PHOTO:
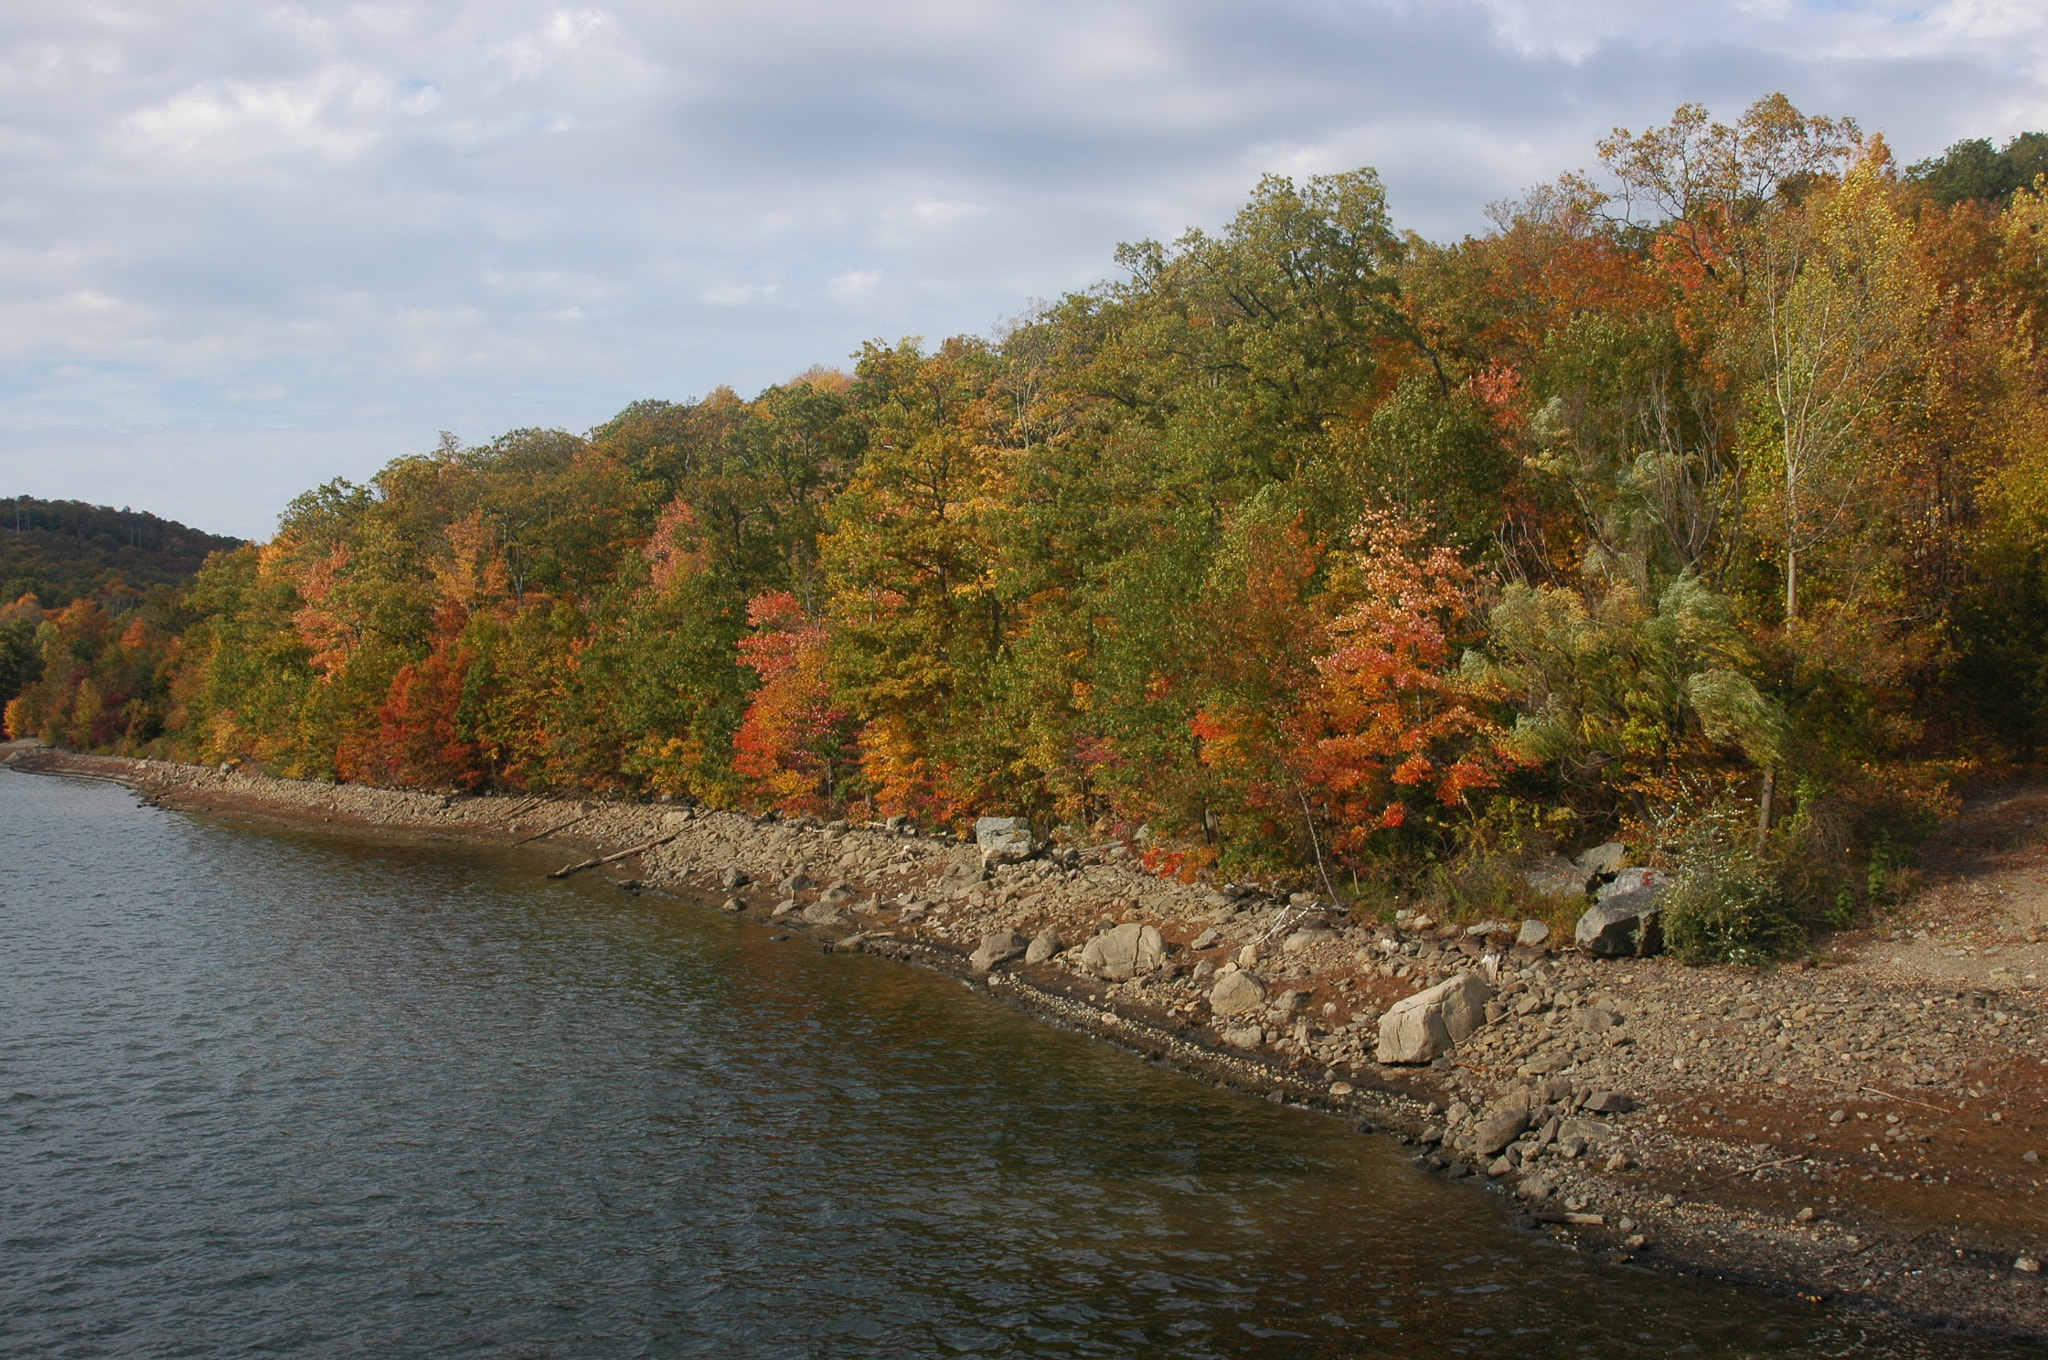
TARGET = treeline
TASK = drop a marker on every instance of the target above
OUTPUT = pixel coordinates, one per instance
(1698, 503)
(54, 554)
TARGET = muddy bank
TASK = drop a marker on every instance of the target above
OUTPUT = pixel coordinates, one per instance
(1857, 1132)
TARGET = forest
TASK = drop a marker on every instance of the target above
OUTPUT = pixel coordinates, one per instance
(1697, 503)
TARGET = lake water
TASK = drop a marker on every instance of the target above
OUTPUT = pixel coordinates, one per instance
(276, 1093)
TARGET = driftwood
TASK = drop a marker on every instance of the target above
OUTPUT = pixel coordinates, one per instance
(607, 859)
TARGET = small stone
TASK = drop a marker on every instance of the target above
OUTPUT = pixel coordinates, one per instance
(796, 883)
(1489, 927)
(1247, 1036)
(1805, 1215)
(1635, 1242)
(1203, 940)
(1340, 1088)
(1536, 1188)
(732, 904)
(822, 914)
(1618, 1162)
(1532, 934)
(1247, 956)
(733, 879)
(1838, 1116)
(1306, 936)
(2027, 1265)
(1498, 1167)
(1609, 1102)
(2030, 1156)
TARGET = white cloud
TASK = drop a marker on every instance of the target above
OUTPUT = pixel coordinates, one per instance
(247, 246)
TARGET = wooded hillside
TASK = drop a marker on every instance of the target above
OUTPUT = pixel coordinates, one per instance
(1698, 503)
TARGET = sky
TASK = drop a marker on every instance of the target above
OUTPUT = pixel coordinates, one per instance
(249, 247)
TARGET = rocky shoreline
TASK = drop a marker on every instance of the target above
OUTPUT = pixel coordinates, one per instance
(1848, 1131)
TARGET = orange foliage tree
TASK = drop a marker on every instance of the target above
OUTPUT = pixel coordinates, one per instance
(793, 744)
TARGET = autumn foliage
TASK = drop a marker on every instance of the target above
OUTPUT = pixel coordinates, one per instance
(1710, 481)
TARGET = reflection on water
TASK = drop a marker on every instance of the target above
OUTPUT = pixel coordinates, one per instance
(291, 1094)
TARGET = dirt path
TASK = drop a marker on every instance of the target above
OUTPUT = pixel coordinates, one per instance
(1866, 1131)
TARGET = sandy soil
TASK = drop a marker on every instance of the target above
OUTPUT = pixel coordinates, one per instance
(1865, 1130)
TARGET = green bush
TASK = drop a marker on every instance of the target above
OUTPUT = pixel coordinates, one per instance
(1726, 906)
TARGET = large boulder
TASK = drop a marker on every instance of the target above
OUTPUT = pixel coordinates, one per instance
(1236, 993)
(998, 946)
(959, 879)
(1125, 952)
(1423, 1027)
(1556, 877)
(1497, 1130)
(1003, 840)
(1045, 945)
(1603, 859)
(1623, 926)
(1631, 880)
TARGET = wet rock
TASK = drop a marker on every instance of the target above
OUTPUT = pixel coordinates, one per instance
(1622, 927)
(1125, 952)
(1422, 1027)
(1537, 1188)
(1236, 993)
(733, 904)
(1044, 945)
(1003, 840)
(1533, 934)
(733, 879)
(998, 946)
(1497, 1130)
(1605, 858)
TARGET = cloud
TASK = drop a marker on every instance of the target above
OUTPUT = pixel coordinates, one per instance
(245, 247)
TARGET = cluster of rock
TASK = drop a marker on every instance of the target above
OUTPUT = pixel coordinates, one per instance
(1553, 1117)
(1624, 920)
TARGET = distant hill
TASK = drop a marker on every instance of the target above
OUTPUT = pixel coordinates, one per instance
(60, 550)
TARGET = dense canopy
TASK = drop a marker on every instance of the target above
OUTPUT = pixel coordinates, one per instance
(1699, 503)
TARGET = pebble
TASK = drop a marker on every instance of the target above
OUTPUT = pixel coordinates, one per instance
(2027, 1265)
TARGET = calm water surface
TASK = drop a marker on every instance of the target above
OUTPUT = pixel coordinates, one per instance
(269, 1093)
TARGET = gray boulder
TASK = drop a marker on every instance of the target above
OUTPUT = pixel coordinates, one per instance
(1235, 993)
(1306, 936)
(1003, 840)
(733, 879)
(1623, 926)
(1044, 946)
(1533, 934)
(958, 879)
(1423, 1027)
(796, 883)
(1631, 880)
(1556, 877)
(1606, 858)
(1244, 1036)
(823, 914)
(1125, 952)
(838, 895)
(1497, 1130)
(999, 946)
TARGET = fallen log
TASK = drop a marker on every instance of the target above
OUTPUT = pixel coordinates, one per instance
(607, 859)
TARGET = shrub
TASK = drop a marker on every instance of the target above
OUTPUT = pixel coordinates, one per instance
(1725, 905)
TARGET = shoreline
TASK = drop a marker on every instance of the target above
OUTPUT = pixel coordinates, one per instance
(1846, 1133)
